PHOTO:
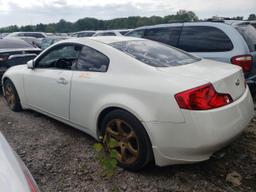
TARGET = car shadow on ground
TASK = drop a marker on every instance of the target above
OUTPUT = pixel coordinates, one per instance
(41, 135)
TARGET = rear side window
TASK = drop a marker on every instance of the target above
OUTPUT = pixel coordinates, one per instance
(167, 35)
(249, 34)
(92, 60)
(154, 54)
(204, 39)
(36, 35)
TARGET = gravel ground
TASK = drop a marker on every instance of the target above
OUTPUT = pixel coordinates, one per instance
(62, 158)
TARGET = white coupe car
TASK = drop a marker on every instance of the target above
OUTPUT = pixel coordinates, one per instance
(158, 103)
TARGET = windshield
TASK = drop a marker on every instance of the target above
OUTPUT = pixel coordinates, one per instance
(249, 34)
(154, 54)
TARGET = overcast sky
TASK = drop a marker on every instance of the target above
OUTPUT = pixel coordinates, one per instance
(21, 12)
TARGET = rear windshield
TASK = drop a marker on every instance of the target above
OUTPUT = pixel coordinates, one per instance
(249, 34)
(14, 44)
(154, 54)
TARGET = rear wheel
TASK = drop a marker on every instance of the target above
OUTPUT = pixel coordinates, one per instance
(132, 144)
(11, 96)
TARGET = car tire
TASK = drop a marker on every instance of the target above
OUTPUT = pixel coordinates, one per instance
(12, 96)
(133, 146)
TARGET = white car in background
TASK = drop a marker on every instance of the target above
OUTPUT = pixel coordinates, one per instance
(26, 34)
(157, 102)
(116, 32)
(14, 175)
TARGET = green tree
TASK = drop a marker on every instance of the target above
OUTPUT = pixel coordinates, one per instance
(97, 24)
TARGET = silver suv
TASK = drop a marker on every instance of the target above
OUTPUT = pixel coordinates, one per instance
(227, 41)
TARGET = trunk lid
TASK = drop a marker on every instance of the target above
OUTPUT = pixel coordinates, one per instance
(225, 78)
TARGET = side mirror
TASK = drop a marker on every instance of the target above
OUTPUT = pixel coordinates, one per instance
(30, 64)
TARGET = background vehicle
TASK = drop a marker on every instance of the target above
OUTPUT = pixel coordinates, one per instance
(27, 34)
(2, 35)
(12, 47)
(83, 34)
(158, 102)
(112, 32)
(48, 41)
(14, 175)
(253, 23)
(231, 42)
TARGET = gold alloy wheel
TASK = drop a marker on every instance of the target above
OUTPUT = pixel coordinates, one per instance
(126, 140)
(9, 95)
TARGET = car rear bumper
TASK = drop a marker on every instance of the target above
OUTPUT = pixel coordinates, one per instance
(202, 133)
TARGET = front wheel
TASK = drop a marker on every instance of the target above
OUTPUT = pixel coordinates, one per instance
(133, 147)
(11, 96)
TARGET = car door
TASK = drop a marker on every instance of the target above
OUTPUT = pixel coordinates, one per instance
(47, 85)
(87, 84)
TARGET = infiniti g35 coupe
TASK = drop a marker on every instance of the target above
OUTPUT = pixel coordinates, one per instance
(157, 102)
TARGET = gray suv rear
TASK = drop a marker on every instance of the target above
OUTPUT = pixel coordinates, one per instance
(230, 41)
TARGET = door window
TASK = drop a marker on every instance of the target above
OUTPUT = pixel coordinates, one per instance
(60, 57)
(167, 35)
(92, 60)
(204, 39)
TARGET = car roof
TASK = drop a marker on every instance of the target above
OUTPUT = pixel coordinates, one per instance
(210, 23)
(112, 30)
(82, 32)
(236, 22)
(101, 39)
(57, 37)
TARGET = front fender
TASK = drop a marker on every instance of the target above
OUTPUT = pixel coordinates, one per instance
(16, 76)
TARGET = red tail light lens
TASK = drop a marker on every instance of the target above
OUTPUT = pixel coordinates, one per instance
(202, 98)
(31, 184)
(30, 181)
(244, 61)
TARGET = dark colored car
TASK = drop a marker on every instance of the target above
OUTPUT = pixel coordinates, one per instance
(15, 52)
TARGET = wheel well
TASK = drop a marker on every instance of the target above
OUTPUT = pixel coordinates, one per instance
(108, 110)
(5, 79)
(102, 115)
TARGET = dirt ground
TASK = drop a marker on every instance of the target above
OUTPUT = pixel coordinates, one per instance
(62, 158)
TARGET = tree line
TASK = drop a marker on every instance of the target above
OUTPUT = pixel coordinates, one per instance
(119, 23)
(97, 24)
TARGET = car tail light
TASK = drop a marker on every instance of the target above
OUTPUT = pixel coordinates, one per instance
(204, 97)
(244, 61)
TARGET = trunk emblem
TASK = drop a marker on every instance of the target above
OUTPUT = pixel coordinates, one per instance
(237, 83)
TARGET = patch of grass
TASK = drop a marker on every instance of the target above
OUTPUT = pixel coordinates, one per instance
(107, 158)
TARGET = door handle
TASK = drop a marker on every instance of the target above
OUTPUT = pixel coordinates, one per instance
(62, 81)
